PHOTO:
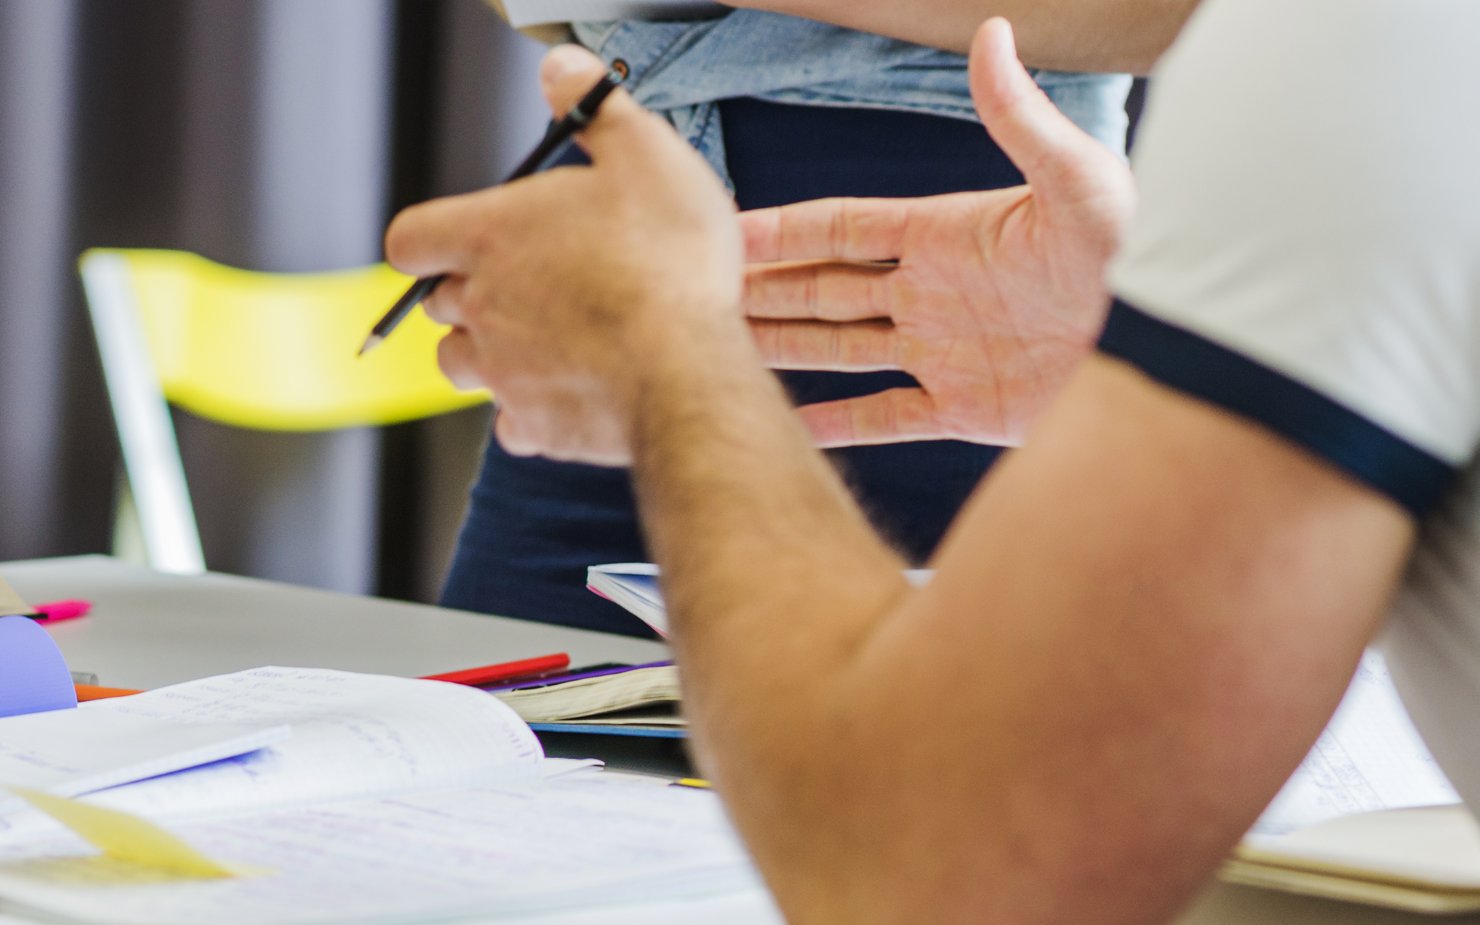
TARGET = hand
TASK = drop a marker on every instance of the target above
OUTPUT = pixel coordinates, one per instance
(562, 288)
(995, 298)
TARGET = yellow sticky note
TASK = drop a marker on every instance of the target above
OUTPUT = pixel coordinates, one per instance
(125, 837)
(10, 602)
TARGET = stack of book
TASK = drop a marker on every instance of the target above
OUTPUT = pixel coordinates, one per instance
(637, 700)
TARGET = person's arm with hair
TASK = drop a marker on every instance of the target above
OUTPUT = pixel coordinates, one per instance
(1122, 36)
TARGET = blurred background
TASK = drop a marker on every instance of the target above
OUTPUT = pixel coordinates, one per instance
(274, 135)
(270, 134)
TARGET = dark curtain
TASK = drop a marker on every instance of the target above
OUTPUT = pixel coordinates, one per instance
(272, 134)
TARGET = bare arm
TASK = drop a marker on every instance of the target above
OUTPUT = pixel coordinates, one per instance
(1070, 35)
(1123, 654)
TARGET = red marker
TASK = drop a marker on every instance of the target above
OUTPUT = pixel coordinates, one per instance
(507, 671)
(473, 677)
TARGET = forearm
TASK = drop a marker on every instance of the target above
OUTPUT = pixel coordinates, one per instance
(773, 582)
(1079, 680)
(1071, 35)
(755, 531)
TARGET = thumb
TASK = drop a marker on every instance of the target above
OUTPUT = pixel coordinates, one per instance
(1029, 128)
(568, 73)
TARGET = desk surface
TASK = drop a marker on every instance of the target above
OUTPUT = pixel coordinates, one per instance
(147, 630)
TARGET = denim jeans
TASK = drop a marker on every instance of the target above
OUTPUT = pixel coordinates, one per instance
(682, 68)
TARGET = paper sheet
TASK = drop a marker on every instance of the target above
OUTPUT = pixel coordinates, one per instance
(70, 752)
(1436, 846)
(10, 602)
(575, 841)
(1369, 758)
(354, 735)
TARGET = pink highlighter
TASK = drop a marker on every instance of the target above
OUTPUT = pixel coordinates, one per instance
(61, 610)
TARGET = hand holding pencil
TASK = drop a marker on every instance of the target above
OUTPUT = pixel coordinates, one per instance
(562, 287)
(556, 140)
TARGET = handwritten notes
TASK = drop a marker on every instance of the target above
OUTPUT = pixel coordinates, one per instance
(70, 752)
(354, 735)
(574, 841)
(1369, 758)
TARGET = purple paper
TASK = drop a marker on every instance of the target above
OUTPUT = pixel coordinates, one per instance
(33, 675)
(562, 678)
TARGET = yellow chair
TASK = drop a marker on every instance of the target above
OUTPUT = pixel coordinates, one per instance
(268, 351)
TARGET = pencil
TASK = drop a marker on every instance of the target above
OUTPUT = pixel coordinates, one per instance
(472, 677)
(555, 141)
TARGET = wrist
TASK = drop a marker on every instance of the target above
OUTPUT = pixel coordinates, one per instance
(679, 353)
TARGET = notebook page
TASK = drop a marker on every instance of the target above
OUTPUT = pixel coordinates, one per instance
(69, 752)
(538, 12)
(1436, 845)
(353, 735)
(1370, 757)
(422, 857)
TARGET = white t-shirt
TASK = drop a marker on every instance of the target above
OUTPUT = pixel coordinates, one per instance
(1307, 254)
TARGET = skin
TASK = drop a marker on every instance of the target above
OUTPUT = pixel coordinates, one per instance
(991, 298)
(1122, 654)
(1068, 35)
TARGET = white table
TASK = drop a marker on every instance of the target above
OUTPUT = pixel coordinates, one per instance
(148, 630)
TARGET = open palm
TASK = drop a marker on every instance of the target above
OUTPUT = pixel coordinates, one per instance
(988, 299)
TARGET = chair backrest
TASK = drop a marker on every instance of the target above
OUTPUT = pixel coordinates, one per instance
(269, 351)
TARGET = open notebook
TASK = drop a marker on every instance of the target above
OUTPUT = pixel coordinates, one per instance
(392, 800)
(1368, 817)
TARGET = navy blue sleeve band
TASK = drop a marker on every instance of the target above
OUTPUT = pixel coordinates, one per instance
(1209, 371)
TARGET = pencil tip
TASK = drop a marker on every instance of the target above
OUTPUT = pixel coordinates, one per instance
(370, 343)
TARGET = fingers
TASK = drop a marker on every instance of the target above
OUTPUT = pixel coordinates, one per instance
(826, 229)
(1039, 139)
(864, 346)
(506, 431)
(825, 292)
(446, 303)
(458, 360)
(895, 416)
(622, 130)
(434, 237)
